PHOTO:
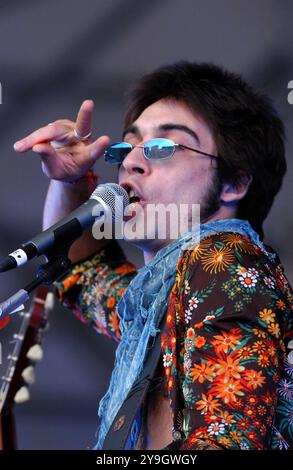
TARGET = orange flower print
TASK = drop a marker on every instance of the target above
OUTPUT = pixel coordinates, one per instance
(111, 302)
(254, 378)
(169, 319)
(264, 359)
(259, 347)
(223, 342)
(263, 429)
(267, 315)
(271, 348)
(238, 404)
(199, 342)
(246, 352)
(190, 334)
(125, 268)
(281, 304)
(237, 242)
(170, 383)
(216, 260)
(225, 441)
(121, 291)
(70, 281)
(243, 424)
(229, 367)
(209, 418)
(200, 432)
(227, 418)
(259, 333)
(201, 372)
(114, 322)
(256, 423)
(252, 400)
(236, 436)
(208, 404)
(249, 412)
(252, 436)
(261, 410)
(198, 249)
(268, 399)
(269, 420)
(274, 329)
(275, 377)
(228, 391)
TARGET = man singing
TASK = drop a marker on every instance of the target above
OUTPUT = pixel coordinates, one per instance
(193, 134)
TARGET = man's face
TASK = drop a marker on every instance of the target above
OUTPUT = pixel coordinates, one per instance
(186, 178)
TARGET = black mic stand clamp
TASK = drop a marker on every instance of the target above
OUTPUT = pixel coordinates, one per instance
(56, 266)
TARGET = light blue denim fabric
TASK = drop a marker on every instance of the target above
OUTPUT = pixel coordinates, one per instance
(140, 310)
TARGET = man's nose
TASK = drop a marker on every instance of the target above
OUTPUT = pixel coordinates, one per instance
(135, 162)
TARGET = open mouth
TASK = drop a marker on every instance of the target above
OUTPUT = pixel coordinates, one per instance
(135, 202)
(133, 196)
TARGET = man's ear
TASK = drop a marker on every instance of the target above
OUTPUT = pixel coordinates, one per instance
(231, 194)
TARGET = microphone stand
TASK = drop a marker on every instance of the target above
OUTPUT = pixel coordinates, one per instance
(56, 266)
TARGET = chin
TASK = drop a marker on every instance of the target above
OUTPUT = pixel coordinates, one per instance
(147, 245)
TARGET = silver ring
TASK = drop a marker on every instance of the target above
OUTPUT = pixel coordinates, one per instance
(81, 137)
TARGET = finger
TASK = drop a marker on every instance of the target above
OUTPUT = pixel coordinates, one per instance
(52, 166)
(97, 148)
(44, 134)
(83, 124)
(44, 150)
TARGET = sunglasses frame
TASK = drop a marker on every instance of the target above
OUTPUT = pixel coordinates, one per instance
(144, 145)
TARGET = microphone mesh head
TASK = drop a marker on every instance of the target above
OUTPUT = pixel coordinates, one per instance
(114, 196)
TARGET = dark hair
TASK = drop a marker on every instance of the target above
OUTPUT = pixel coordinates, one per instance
(248, 133)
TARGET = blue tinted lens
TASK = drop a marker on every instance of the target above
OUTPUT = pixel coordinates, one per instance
(116, 153)
(156, 149)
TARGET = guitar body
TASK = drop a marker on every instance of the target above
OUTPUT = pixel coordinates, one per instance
(8, 440)
(13, 385)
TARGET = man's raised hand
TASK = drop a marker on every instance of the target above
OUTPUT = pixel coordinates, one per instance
(66, 147)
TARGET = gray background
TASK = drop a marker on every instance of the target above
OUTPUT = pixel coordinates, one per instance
(53, 55)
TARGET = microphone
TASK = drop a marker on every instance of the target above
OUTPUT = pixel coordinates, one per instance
(71, 227)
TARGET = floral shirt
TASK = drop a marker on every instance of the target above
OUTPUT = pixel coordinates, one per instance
(226, 343)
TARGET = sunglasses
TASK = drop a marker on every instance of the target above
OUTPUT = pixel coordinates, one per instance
(155, 149)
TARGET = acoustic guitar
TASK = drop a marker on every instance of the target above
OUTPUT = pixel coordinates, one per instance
(24, 352)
